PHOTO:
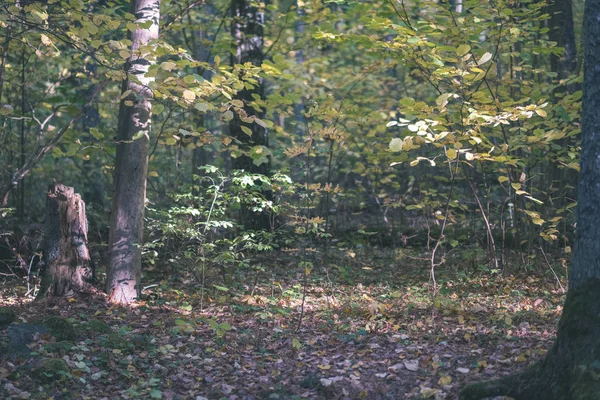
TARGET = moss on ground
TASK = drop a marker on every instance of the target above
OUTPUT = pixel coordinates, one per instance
(49, 370)
(7, 317)
(60, 328)
(97, 326)
(45, 371)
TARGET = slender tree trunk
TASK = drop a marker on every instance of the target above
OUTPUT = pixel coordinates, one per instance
(247, 32)
(201, 153)
(66, 256)
(562, 32)
(571, 368)
(131, 163)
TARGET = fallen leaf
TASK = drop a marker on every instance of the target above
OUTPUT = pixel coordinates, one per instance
(412, 365)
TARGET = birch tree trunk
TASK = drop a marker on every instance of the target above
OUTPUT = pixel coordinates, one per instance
(131, 163)
(66, 256)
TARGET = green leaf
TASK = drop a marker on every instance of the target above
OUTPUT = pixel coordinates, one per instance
(462, 50)
(156, 394)
(227, 115)
(296, 344)
(407, 102)
(225, 326)
(534, 200)
(96, 134)
(396, 144)
(157, 108)
(202, 107)
(145, 24)
(168, 65)
(138, 135)
(246, 130)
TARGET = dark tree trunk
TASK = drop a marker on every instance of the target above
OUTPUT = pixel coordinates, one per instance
(571, 369)
(586, 260)
(66, 256)
(247, 32)
(562, 32)
(131, 162)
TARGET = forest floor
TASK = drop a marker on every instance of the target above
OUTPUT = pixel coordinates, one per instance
(382, 338)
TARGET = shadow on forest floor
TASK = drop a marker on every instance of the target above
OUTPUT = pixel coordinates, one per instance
(372, 340)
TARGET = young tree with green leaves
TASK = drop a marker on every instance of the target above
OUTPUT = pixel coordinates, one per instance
(131, 163)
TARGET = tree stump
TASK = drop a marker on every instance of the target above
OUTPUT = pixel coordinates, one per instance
(66, 256)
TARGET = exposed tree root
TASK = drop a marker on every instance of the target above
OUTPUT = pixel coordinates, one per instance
(570, 370)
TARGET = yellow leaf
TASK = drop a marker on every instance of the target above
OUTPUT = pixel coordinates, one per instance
(188, 95)
(484, 58)
(540, 112)
(444, 380)
(296, 345)
(451, 154)
(45, 40)
(324, 367)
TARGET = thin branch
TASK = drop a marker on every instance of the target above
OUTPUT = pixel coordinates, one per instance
(181, 14)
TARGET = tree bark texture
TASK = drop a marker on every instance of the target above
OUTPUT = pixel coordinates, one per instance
(571, 369)
(66, 255)
(247, 32)
(131, 162)
(562, 31)
(586, 258)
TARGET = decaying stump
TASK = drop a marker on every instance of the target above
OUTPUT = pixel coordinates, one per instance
(66, 256)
